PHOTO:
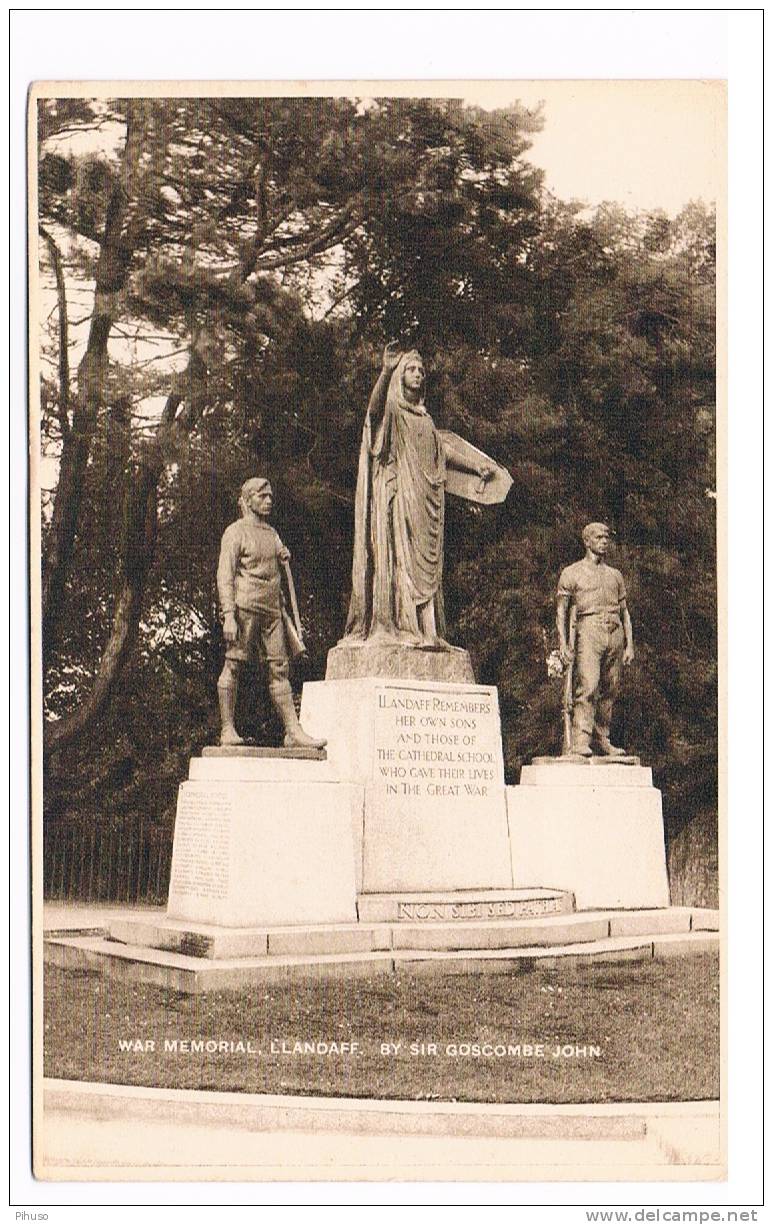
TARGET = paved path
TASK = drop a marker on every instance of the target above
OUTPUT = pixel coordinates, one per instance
(88, 1130)
(79, 1148)
(60, 915)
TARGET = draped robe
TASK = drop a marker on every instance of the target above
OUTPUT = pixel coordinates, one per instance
(397, 562)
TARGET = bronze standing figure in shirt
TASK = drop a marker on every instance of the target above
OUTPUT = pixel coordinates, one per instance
(595, 592)
(249, 590)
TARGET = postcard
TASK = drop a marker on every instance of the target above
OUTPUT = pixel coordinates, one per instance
(375, 507)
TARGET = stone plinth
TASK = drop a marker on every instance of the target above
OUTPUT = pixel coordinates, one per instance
(596, 761)
(429, 757)
(398, 661)
(561, 772)
(229, 767)
(596, 832)
(256, 750)
(263, 841)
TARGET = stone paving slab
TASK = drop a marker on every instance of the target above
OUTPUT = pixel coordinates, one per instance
(193, 940)
(360, 939)
(503, 961)
(195, 959)
(704, 919)
(614, 948)
(59, 916)
(650, 922)
(500, 934)
(675, 945)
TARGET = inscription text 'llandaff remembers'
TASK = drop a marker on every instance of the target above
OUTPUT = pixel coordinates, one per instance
(435, 704)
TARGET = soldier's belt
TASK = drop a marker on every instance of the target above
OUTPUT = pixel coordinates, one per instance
(601, 616)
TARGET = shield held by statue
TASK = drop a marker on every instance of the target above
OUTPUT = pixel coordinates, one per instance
(468, 484)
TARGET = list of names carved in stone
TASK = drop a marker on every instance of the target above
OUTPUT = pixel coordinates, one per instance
(200, 865)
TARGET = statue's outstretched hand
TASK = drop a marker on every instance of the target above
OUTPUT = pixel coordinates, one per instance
(392, 355)
(485, 473)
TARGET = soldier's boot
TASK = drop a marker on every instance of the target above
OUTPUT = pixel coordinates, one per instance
(226, 694)
(580, 743)
(295, 736)
(580, 747)
(600, 736)
(604, 747)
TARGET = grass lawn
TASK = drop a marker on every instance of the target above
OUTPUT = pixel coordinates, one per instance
(638, 1031)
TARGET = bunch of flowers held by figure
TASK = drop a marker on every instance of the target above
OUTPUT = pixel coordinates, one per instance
(553, 661)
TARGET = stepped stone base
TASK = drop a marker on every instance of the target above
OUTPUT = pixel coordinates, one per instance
(194, 959)
(229, 943)
(398, 661)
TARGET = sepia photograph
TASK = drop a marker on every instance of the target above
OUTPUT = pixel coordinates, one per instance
(376, 625)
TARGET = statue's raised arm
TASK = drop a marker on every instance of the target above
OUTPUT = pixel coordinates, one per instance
(405, 465)
(378, 396)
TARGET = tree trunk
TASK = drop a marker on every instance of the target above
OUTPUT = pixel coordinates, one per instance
(63, 405)
(112, 271)
(139, 531)
(138, 542)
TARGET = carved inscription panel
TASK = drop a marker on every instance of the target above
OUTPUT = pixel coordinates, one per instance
(200, 865)
(510, 909)
(437, 744)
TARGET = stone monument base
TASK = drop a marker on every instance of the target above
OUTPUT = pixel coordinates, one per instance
(263, 840)
(594, 827)
(427, 756)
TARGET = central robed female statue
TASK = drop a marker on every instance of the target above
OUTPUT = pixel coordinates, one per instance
(397, 567)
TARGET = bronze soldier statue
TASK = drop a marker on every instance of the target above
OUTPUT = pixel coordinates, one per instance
(255, 625)
(591, 597)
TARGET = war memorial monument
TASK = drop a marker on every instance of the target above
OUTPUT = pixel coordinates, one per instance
(381, 833)
(374, 638)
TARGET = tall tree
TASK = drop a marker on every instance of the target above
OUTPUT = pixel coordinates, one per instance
(127, 193)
